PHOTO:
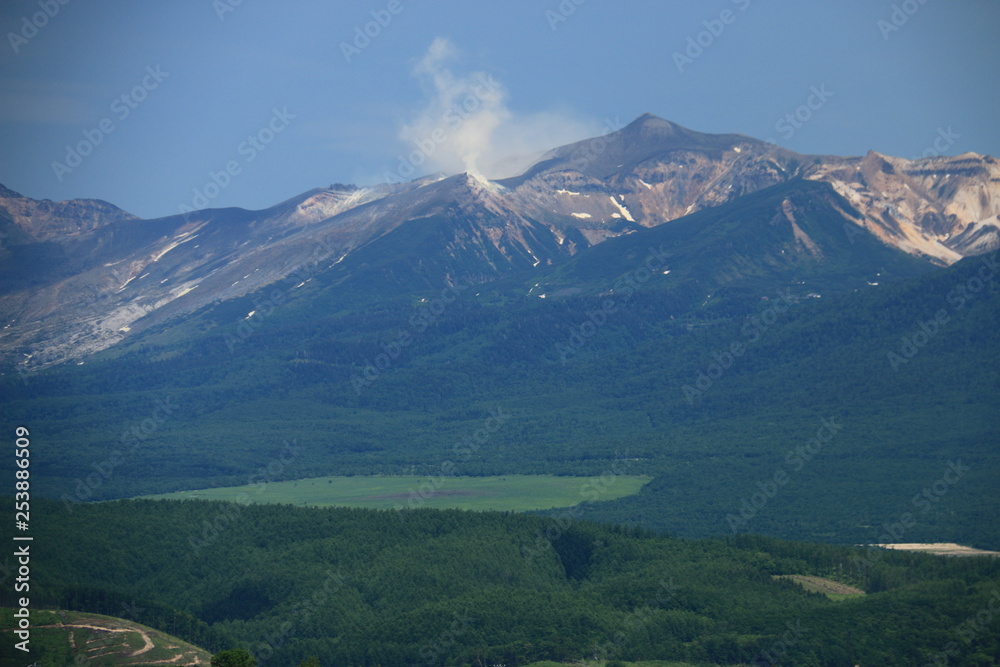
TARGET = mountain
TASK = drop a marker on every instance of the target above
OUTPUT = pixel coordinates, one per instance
(943, 208)
(700, 301)
(81, 276)
(703, 351)
(87, 292)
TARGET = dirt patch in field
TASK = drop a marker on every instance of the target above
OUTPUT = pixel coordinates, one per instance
(102, 645)
(940, 548)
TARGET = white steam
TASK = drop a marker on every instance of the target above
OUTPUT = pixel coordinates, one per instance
(466, 124)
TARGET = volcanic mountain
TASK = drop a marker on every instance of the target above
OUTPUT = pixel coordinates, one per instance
(83, 275)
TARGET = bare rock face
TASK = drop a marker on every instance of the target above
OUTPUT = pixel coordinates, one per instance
(944, 208)
(77, 277)
(48, 220)
(940, 208)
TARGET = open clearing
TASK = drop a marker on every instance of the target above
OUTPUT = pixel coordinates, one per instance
(830, 588)
(517, 493)
(940, 548)
(65, 637)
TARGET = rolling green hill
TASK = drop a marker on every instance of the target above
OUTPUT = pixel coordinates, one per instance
(60, 637)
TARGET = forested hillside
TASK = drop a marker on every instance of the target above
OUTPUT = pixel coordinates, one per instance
(363, 587)
(907, 371)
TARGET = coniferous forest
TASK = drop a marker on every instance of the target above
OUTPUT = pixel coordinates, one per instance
(421, 587)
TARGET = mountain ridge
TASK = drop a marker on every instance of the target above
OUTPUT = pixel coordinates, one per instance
(82, 276)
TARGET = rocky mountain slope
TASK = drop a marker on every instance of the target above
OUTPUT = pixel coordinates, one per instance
(80, 276)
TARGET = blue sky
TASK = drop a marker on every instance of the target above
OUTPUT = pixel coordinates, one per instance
(162, 95)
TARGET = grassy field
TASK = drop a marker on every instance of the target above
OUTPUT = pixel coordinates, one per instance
(61, 638)
(832, 589)
(597, 663)
(517, 493)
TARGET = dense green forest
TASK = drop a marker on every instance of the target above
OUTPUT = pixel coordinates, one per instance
(153, 421)
(357, 375)
(366, 587)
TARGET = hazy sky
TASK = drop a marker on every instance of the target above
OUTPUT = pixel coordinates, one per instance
(275, 98)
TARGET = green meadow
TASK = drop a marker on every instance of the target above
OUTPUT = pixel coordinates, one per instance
(516, 493)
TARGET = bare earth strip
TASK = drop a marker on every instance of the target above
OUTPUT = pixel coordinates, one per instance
(189, 657)
(821, 585)
(145, 638)
(940, 548)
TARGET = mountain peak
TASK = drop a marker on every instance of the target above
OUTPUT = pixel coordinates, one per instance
(7, 192)
(650, 121)
(648, 137)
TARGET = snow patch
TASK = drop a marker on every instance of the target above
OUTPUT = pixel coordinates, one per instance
(179, 239)
(622, 209)
(567, 192)
(582, 216)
